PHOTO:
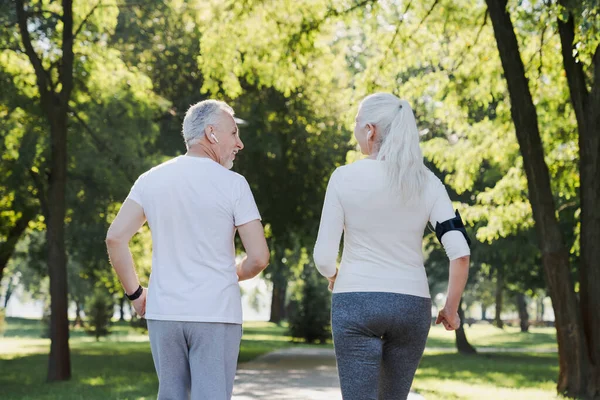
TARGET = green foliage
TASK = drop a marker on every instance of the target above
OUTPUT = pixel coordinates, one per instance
(139, 324)
(310, 308)
(99, 309)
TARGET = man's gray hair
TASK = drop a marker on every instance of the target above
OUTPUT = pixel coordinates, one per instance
(199, 116)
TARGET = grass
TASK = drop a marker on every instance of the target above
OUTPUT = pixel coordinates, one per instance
(121, 367)
(486, 336)
(117, 367)
(493, 376)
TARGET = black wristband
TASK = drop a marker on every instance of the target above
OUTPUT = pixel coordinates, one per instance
(135, 294)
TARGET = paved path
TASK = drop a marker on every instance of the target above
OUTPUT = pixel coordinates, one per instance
(291, 374)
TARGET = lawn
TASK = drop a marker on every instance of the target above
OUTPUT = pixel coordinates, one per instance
(488, 337)
(120, 366)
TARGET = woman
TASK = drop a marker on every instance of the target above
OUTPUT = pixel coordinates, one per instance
(381, 306)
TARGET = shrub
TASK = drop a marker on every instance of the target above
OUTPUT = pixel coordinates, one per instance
(99, 309)
(310, 308)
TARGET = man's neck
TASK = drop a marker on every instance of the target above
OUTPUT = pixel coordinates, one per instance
(203, 150)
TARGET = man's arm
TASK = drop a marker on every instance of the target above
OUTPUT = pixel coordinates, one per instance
(257, 251)
(128, 221)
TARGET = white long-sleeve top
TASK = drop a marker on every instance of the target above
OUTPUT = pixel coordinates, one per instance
(382, 237)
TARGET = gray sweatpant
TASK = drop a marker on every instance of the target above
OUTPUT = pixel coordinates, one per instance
(196, 359)
(379, 339)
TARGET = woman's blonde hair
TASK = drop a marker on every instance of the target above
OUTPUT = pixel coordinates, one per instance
(397, 142)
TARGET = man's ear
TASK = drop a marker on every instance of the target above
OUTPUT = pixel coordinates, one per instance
(209, 132)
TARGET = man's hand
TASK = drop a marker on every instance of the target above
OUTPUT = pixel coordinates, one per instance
(257, 252)
(450, 320)
(139, 304)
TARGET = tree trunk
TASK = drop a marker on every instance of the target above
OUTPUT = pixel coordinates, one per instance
(56, 106)
(483, 312)
(462, 344)
(539, 308)
(523, 314)
(122, 308)
(279, 277)
(59, 365)
(278, 301)
(587, 111)
(574, 367)
(78, 320)
(499, 296)
(9, 292)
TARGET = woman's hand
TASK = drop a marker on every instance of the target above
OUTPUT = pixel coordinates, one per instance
(332, 281)
(449, 319)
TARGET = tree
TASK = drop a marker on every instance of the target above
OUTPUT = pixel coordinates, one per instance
(311, 308)
(585, 96)
(82, 89)
(293, 100)
(54, 100)
(297, 148)
(579, 374)
(99, 308)
(523, 314)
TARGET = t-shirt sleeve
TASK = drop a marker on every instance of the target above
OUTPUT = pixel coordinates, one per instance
(245, 209)
(137, 190)
(330, 230)
(454, 242)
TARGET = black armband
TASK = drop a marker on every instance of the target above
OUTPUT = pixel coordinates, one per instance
(453, 224)
(135, 295)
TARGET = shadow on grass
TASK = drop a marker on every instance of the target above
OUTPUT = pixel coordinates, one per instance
(496, 369)
(499, 339)
(126, 372)
(32, 329)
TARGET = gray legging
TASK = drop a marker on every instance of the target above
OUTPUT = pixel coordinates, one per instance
(379, 339)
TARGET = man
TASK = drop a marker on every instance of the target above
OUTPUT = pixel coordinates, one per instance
(193, 205)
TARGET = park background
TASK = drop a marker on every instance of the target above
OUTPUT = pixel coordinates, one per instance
(507, 99)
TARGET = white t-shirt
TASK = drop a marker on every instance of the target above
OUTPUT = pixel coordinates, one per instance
(193, 206)
(382, 237)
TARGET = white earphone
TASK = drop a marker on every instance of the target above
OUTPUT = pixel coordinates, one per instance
(214, 137)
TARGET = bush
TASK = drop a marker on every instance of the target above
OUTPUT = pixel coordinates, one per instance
(99, 309)
(138, 323)
(310, 309)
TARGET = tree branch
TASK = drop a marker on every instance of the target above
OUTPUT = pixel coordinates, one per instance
(390, 47)
(316, 25)
(42, 12)
(573, 69)
(98, 143)
(80, 27)
(40, 73)
(7, 247)
(66, 70)
(39, 185)
(16, 48)
(435, 3)
(541, 67)
(468, 48)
